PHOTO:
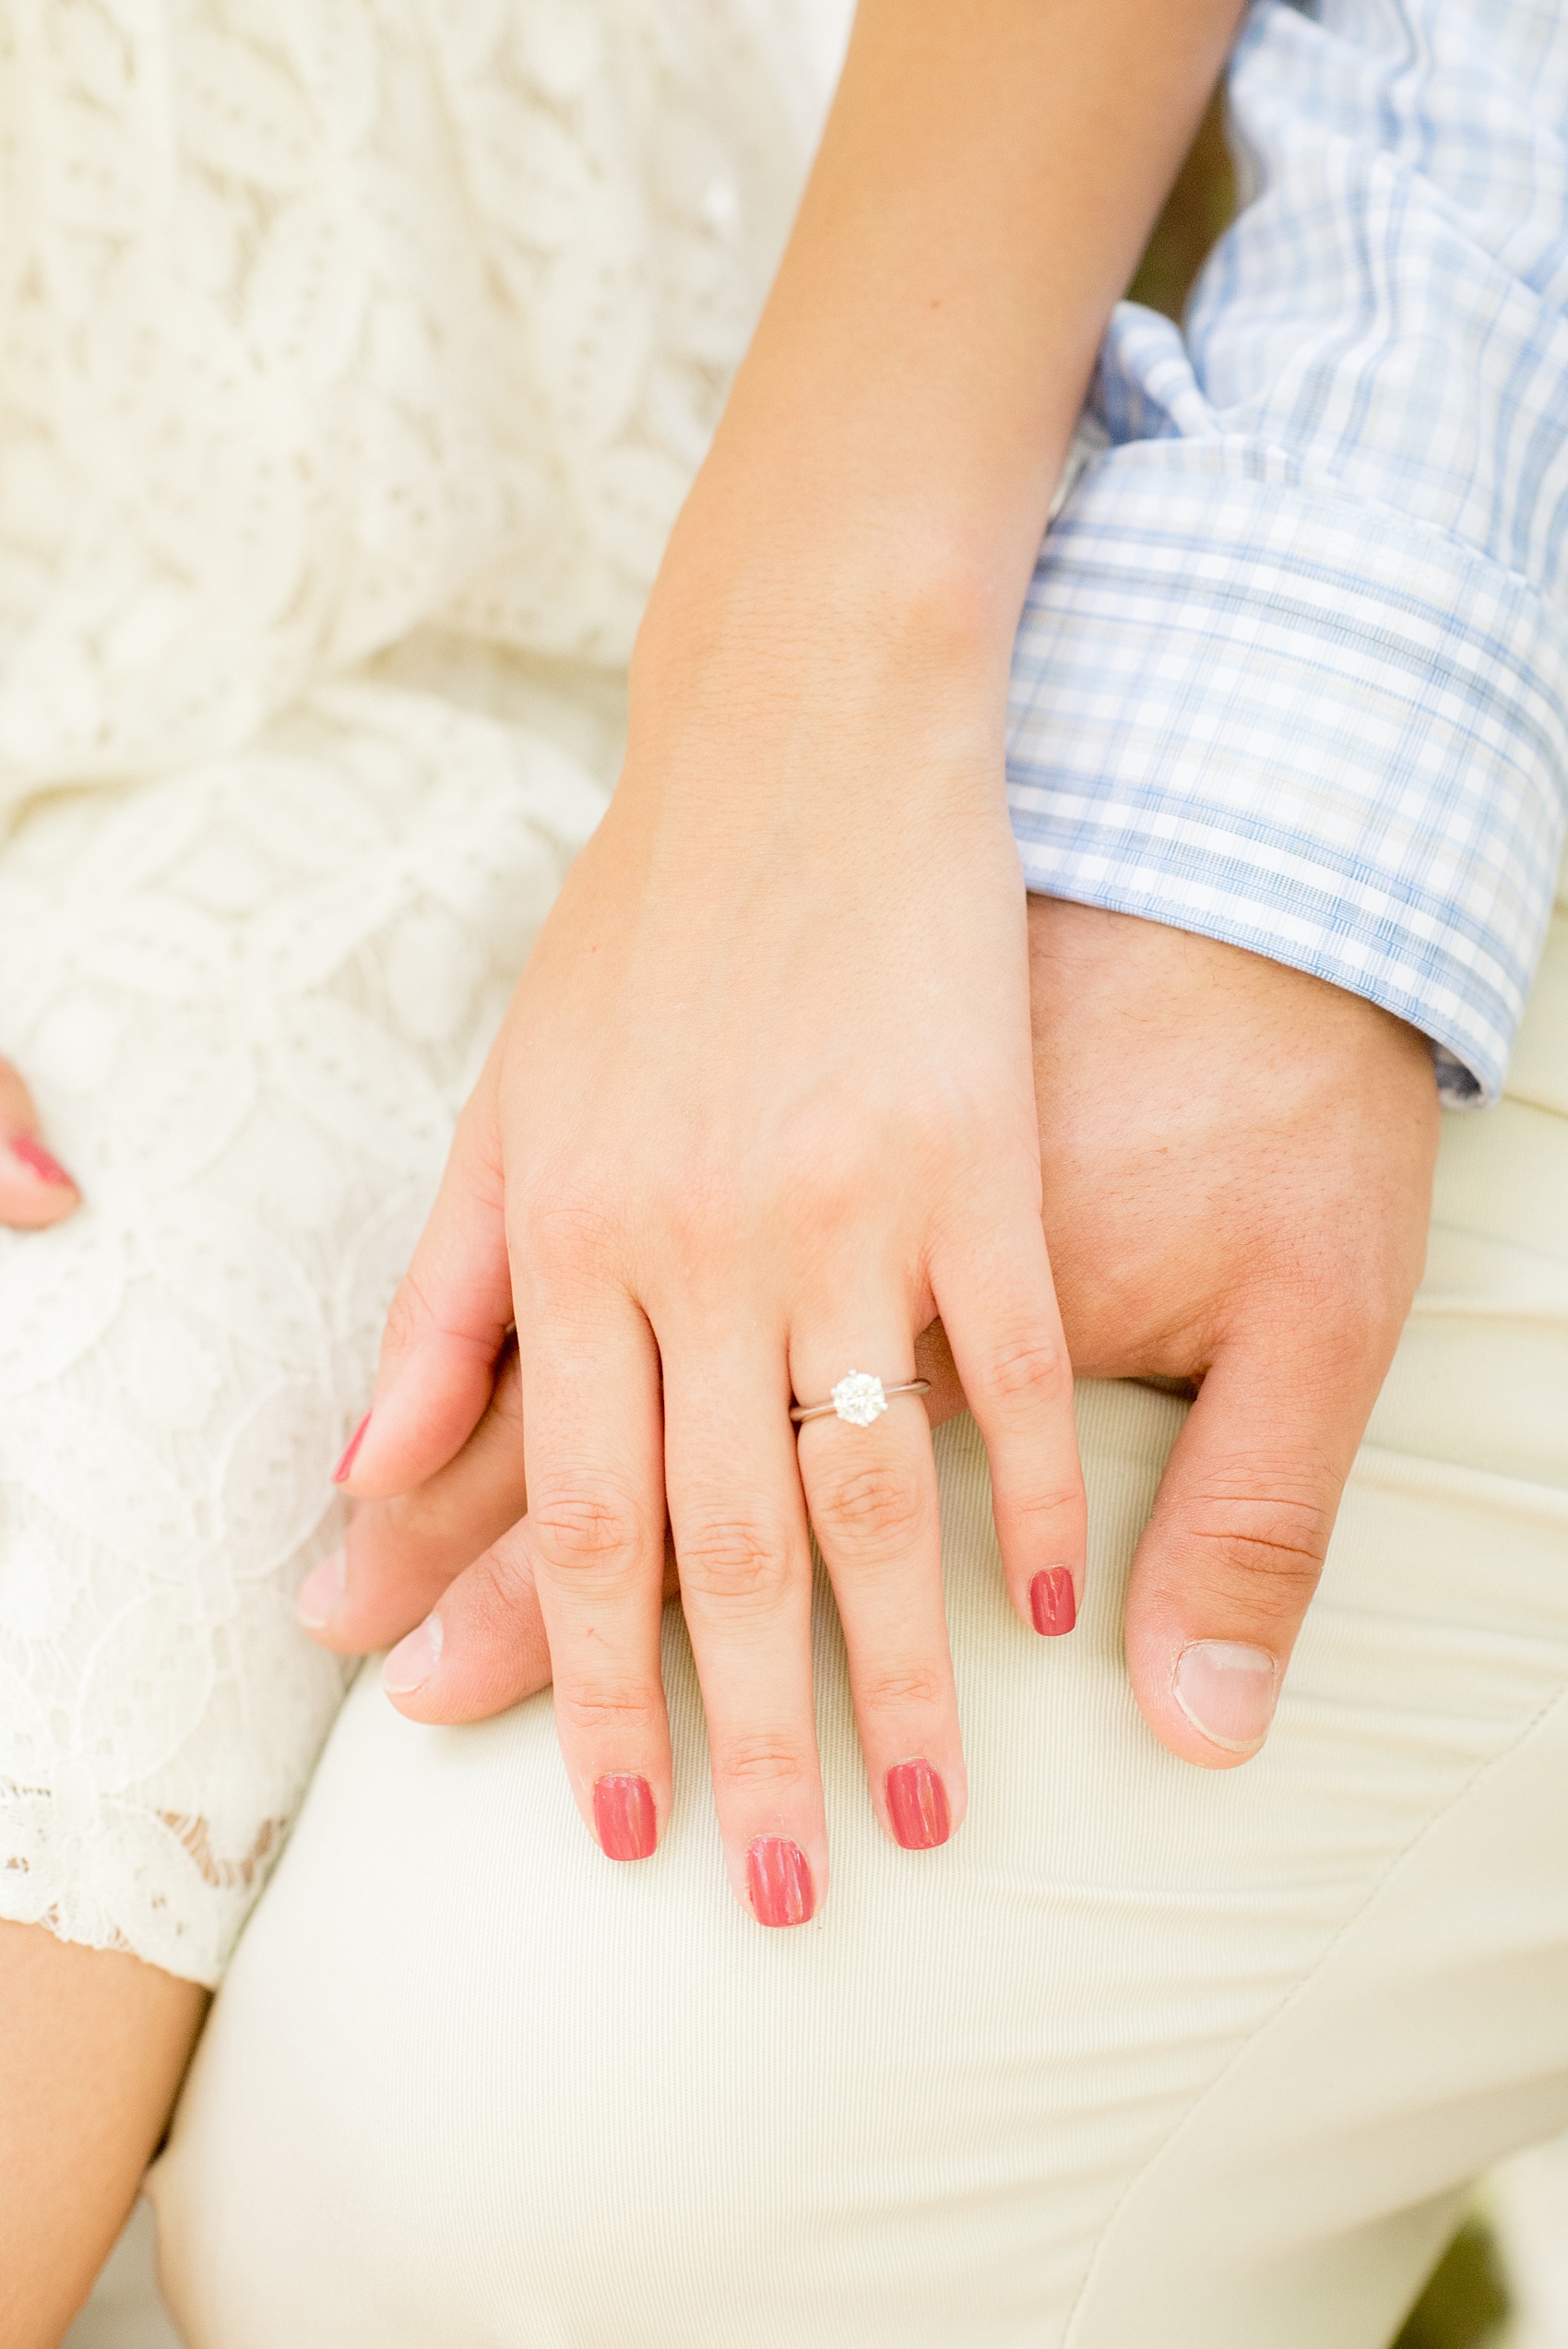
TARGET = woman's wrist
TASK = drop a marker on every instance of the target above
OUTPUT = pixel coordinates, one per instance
(846, 630)
(887, 455)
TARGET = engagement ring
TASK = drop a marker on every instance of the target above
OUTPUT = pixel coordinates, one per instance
(860, 1398)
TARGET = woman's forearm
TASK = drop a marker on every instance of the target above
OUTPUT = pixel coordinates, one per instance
(987, 178)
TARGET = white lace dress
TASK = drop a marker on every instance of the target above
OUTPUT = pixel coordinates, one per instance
(354, 358)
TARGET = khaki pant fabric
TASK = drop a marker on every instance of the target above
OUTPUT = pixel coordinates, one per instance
(1147, 2058)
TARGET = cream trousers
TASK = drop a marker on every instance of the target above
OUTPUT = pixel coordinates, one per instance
(1145, 2058)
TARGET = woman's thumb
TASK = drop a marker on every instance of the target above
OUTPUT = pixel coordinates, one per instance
(445, 1326)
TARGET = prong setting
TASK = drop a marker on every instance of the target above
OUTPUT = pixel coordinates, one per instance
(858, 1398)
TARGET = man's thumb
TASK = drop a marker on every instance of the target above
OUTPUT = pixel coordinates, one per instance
(1230, 1558)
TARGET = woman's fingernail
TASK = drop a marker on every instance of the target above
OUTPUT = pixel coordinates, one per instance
(780, 1881)
(316, 1601)
(1228, 1691)
(413, 1660)
(623, 1816)
(1053, 1606)
(340, 1474)
(40, 1164)
(917, 1805)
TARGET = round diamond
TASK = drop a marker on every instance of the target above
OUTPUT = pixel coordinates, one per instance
(859, 1399)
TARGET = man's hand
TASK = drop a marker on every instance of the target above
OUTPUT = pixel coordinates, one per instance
(1237, 1180)
(1238, 1170)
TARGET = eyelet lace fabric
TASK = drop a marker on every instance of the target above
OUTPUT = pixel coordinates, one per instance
(354, 358)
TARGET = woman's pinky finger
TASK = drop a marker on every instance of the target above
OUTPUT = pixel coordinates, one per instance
(998, 1307)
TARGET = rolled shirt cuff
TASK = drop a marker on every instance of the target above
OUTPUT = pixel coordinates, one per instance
(1279, 715)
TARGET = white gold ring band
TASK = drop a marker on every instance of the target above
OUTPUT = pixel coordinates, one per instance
(860, 1398)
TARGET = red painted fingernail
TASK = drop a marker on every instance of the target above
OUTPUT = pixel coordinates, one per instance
(342, 1472)
(38, 1161)
(623, 1815)
(917, 1805)
(1052, 1603)
(780, 1881)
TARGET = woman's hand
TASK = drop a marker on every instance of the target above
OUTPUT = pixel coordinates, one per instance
(762, 1105)
(1237, 1178)
(35, 1190)
(762, 1108)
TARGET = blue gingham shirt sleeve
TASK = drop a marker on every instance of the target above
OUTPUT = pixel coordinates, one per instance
(1293, 668)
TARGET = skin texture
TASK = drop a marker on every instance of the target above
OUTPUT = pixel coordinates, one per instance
(762, 1107)
(1237, 1163)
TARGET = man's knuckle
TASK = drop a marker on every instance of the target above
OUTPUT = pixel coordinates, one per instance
(500, 1591)
(1352, 1304)
(733, 1559)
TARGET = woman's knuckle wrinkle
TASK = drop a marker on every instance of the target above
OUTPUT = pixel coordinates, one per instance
(1027, 1371)
(746, 1763)
(871, 1504)
(898, 1689)
(580, 1528)
(732, 1558)
(591, 1710)
(1042, 1507)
